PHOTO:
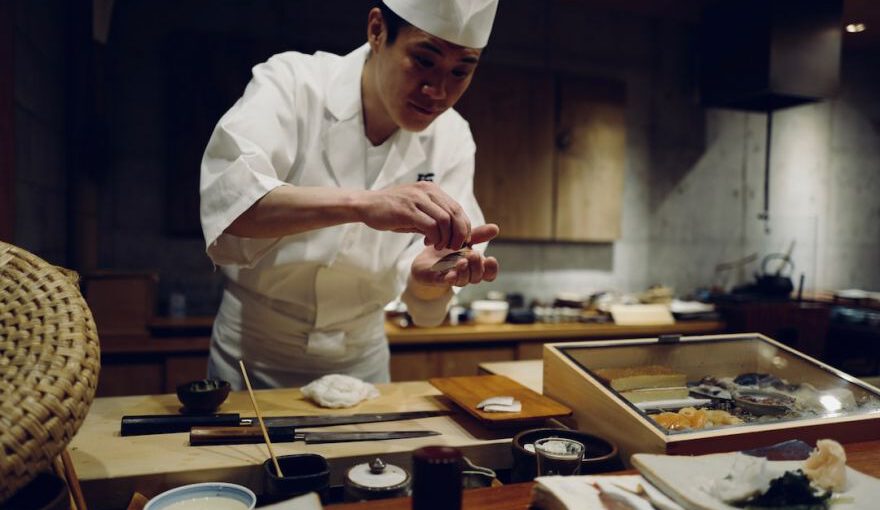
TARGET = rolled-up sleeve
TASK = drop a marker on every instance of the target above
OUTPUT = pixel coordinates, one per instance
(249, 154)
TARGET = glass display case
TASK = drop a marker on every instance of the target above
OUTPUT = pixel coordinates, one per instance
(707, 394)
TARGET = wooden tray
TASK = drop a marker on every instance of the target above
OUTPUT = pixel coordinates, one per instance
(469, 391)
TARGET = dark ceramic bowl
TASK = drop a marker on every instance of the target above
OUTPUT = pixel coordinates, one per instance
(600, 455)
(203, 396)
(303, 473)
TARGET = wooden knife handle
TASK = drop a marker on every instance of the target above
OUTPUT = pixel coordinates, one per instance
(203, 436)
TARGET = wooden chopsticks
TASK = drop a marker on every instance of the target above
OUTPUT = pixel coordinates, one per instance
(247, 382)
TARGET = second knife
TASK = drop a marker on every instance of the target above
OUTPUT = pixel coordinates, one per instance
(203, 436)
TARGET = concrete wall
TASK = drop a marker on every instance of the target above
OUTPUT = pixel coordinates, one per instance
(40, 143)
(824, 192)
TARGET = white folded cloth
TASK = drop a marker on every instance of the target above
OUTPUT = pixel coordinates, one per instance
(337, 390)
(587, 493)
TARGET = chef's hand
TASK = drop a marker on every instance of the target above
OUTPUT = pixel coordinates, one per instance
(472, 268)
(421, 207)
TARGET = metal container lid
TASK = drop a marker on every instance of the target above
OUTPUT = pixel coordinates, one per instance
(377, 476)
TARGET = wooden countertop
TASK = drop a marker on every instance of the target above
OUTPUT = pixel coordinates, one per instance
(540, 332)
(192, 334)
(111, 468)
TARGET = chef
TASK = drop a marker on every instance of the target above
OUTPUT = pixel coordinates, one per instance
(334, 185)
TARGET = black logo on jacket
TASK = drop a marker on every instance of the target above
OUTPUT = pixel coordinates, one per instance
(426, 177)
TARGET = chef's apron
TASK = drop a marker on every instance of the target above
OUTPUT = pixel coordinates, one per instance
(283, 346)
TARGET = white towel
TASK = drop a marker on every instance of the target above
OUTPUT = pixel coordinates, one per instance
(583, 492)
(337, 390)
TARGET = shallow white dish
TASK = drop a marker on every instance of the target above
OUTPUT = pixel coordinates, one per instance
(681, 478)
(205, 496)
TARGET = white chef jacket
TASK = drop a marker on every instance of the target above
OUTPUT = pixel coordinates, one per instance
(304, 305)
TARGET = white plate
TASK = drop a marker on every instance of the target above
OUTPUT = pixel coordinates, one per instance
(681, 478)
(852, 294)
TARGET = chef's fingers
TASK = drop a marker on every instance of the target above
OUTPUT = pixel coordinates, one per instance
(442, 221)
(439, 224)
(459, 223)
(457, 276)
(460, 227)
(484, 233)
(475, 267)
(490, 269)
(464, 274)
(423, 223)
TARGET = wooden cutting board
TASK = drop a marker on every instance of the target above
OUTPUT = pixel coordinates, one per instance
(469, 391)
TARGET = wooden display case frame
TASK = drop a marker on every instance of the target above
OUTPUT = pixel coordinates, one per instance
(600, 410)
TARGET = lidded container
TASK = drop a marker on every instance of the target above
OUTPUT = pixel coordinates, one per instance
(696, 395)
(376, 480)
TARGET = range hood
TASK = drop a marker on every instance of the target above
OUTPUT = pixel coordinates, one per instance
(761, 55)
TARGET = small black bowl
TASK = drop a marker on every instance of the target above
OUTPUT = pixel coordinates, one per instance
(303, 473)
(600, 455)
(203, 396)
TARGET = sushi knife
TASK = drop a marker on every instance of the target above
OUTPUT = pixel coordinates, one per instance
(169, 423)
(202, 436)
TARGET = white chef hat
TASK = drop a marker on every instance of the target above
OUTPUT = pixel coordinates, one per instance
(464, 22)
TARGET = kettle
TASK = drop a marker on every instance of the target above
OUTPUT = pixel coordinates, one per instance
(776, 284)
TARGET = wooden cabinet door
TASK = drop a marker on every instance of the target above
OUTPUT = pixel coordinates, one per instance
(511, 113)
(591, 160)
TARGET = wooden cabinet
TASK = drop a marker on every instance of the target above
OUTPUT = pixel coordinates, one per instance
(146, 365)
(511, 118)
(551, 153)
(590, 160)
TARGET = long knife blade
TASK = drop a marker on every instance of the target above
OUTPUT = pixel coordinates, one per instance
(327, 420)
(203, 436)
(169, 423)
(343, 437)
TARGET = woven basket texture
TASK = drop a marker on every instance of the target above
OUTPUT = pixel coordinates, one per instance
(49, 362)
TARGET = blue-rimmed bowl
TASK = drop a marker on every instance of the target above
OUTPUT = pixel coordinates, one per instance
(200, 491)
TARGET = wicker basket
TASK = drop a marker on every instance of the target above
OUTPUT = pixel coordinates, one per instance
(49, 361)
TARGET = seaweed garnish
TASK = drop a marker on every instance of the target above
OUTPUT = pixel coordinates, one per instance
(791, 491)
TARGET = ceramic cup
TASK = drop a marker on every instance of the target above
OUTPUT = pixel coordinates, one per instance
(558, 456)
(601, 454)
(303, 473)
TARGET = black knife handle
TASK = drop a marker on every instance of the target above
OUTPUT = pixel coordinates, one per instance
(169, 423)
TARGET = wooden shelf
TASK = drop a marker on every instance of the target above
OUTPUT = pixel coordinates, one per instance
(539, 332)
